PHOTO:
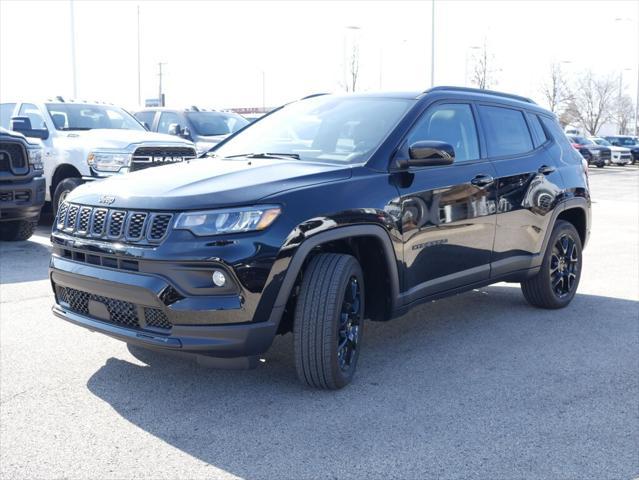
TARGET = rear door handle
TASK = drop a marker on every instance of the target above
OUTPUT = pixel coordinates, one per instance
(482, 180)
(546, 170)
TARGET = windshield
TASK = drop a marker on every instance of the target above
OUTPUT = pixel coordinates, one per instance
(626, 141)
(582, 141)
(325, 129)
(69, 116)
(215, 123)
(601, 141)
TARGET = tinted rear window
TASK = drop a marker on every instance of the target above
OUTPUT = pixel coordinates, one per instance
(506, 131)
(539, 136)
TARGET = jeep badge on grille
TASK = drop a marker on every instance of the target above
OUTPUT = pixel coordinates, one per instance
(106, 199)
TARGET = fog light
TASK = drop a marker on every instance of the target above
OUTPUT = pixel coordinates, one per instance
(218, 278)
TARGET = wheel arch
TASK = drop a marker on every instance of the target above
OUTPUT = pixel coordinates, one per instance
(61, 172)
(577, 217)
(373, 248)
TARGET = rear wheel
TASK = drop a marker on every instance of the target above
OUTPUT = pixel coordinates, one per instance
(556, 283)
(329, 321)
(17, 230)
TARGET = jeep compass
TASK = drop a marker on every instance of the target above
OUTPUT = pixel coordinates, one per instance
(326, 212)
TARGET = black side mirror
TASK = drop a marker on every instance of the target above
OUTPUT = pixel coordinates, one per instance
(23, 125)
(186, 133)
(429, 153)
(174, 129)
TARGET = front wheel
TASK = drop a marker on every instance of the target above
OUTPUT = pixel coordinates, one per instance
(329, 321)
(556, 283)
(62, 190)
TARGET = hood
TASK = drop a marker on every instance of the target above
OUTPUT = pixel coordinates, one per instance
(206, 183)
(120, 138)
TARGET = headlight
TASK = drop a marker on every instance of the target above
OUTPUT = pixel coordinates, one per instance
(108, 161)
(218, 222)
(35, 158)
(595, 153)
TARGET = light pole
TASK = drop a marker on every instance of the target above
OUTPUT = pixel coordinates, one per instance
(432, 44)
(160, 95)
(468, 49)
(73, 68)
(139, 88)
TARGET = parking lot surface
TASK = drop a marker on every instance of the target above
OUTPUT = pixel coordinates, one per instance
(480, 385)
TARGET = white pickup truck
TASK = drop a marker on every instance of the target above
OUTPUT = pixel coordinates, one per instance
(89, 141)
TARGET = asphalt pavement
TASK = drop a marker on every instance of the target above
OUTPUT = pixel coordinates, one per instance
(480, 385)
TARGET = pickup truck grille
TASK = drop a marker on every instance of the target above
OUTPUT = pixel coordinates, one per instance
(13, 158)
(113, 224)
(145, 157)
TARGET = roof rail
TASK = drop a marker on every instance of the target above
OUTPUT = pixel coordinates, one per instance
(314, 95)
(484, 92)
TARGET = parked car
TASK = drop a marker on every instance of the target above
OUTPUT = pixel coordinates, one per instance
(618, 155)
(397, 200)
(88, 141)
(593, 153)
(627, 142)
(205, 128)
(22, 186)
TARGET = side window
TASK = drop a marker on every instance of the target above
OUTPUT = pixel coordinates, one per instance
(6, 112)
(146, 117)
(539, 136)
(166, 119)
(452, 123)
(31, 111)
(506, 131)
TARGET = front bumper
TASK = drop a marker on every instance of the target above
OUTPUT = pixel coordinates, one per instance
(118, 303)
(21, 200)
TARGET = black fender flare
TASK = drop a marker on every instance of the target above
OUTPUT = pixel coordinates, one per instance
(338, 233)
(569, 204)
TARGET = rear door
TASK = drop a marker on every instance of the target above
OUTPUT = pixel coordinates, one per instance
(448, 212)
(528, 184)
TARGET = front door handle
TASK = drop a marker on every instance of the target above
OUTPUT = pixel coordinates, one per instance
(546, 170)
(482, 180)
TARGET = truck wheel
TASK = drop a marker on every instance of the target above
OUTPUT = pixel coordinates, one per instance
(62, 190)
(329, 321)
(17, 230)
(556, 283)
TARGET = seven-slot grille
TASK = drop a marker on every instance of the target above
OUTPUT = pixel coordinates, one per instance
(145, 157)
(113, 224)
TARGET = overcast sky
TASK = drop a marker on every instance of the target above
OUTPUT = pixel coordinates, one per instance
(217, 53)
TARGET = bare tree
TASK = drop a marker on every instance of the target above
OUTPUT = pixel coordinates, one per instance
(593, 102)
(624, 114)
(353, 68)
(483, 73)
(555, 89)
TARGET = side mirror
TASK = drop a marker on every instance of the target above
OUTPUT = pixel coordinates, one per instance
(186, 133)
(430, 153)
(174, 129)
(23, 125)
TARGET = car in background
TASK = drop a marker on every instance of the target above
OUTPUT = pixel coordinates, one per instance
(22, 186)
(89, 141)
(205, 128)
(626, 141)
(594, 154)
(618, 155)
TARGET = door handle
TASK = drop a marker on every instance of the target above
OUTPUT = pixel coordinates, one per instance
(546, 170)
(482, 180)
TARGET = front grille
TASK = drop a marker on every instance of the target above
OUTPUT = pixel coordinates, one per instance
(6, 196)
(145, 157)
(13, 158)
(605, 154)
(124, 225)
(120, 312)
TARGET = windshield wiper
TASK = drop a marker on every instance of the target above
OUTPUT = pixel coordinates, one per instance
(267, 155)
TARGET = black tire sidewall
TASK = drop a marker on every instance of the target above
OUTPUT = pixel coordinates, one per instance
(67, 184)
(560, 229)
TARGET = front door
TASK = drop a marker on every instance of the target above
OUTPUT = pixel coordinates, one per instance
(448, 212)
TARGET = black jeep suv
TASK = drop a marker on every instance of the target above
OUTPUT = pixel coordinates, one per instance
(21, 186)
(330, 210)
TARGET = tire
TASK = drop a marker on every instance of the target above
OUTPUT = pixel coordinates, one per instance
(601, 165)
(62, 189)
(17, 230)
(558, 279)
(329, 313)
